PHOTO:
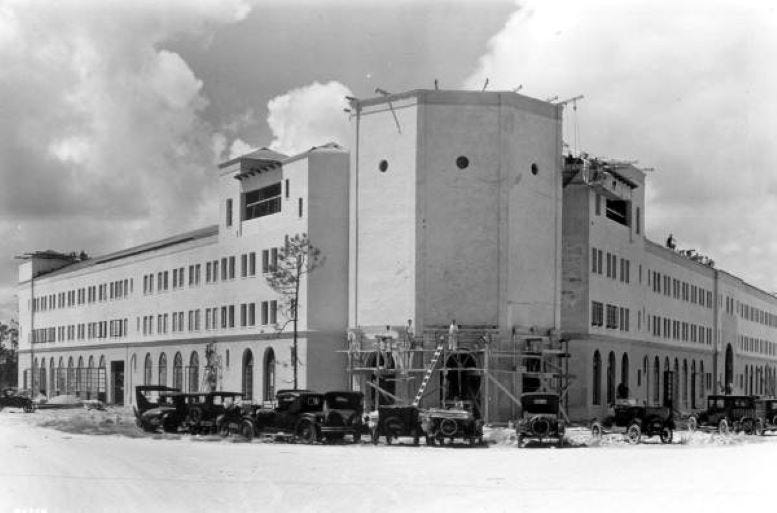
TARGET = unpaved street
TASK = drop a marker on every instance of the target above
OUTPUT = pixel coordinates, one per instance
(50, 470)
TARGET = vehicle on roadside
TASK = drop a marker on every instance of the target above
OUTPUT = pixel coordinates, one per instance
(456, 419)
(636, 421)
(342, 415)
(159, 407)
(541, 418)
(766, 415)
(392, 422)
(206, 408)
(11, 398)
(727, 413)
(296, 416)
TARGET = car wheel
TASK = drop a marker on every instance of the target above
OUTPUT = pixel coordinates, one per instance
(449, 427)
(307, 432)
(246, 430)
(693, 424)
(634, 434)
(723, 427)
(666, 435)
(596, 431)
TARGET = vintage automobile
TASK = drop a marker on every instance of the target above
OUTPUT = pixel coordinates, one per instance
(207, 408)
(635, 421)
(456, 419)
(726, 413)
(10, 398)
(297, 416)
(766, 415)
(159, 407)
(392, 422)
(540, 418)
(342, 415)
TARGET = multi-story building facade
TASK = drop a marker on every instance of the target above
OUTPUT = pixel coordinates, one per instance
(452, 206)
(645, 319)
(154, 313)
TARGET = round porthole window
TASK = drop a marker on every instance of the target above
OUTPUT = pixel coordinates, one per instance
(534, 168)
(383, 166)
(462, 162)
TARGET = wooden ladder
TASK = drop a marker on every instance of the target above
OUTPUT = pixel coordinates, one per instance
(429, 371)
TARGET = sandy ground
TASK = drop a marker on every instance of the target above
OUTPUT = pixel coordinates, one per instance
(100, 462)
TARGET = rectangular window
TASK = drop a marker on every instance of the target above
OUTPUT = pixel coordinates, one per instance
(229, 212)
(593, 260)
(609, 265)
(273, 312)
(637, 221)
(252, 264)
(263, 202)
(165, 276)
(251, 314)
(175, 278)
(612, 317)
(207, 272)
(597, 313)
(265, 260)
(231, 268)
(243, 315)
(224, 317)
(287, 188)
(224, 268)
(600, 254)
(197, 320)
(231, 316)
(265, 307)
(243, 265)
(300, 207)
(273, 259)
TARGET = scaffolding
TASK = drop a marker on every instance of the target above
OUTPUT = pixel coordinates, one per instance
(441, 367)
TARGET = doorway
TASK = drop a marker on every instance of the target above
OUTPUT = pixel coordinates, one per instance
(117, 382)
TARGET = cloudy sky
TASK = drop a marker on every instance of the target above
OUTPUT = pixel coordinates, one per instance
(114, 114)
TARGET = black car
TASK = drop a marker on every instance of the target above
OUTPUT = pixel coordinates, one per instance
(392, 422)
(766, 415)
(342, 415)
(297, 415)
(206, 410)
(636, 421)
(456, 419)
(10, 398)
(159, 407)
(540, 419)
(726, 413)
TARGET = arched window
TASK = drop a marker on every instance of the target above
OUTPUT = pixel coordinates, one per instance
(596, 379)
(80, 385)
(248, 375)
(163, 369)
(624, 391)
(194, 372)
(178, 371)
(42, 379)
(685, 383)
(269, 374)
(703, 386)
(656, 380)
(147, 370)
(61, 375)
(52, 377)
(71, 381)
(611, 378)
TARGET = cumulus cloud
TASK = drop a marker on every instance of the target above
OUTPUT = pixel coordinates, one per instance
(102, 126)
(684, 87)
(309, 116)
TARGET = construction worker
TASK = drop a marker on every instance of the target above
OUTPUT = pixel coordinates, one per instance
(453, 336)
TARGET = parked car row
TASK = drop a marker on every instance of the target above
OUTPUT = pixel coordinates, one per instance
(301, 415)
